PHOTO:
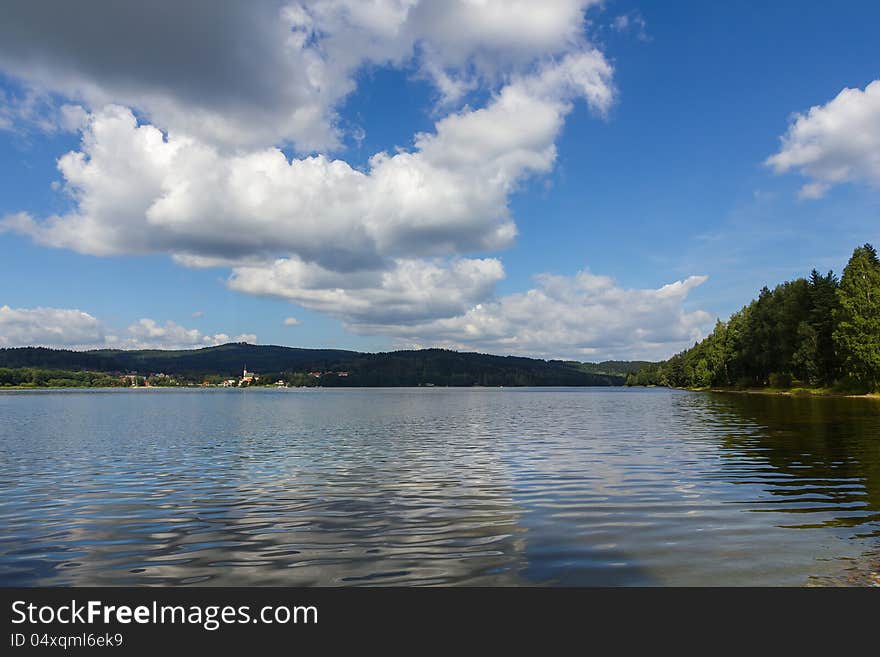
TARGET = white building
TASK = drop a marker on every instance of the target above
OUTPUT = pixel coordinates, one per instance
(247, 377)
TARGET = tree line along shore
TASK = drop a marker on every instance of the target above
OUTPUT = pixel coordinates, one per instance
(817, 335)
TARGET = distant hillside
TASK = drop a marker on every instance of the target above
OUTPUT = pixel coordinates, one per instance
(618, 367)
(227, 359)
(399, 368)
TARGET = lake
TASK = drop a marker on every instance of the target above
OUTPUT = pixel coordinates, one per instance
(437, 486)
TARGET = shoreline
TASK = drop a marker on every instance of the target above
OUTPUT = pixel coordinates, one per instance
(292, 387)
(780, 392)
(793, 392)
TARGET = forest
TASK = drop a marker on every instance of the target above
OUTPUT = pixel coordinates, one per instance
(42, 367)
(817, 332)
(31, 377)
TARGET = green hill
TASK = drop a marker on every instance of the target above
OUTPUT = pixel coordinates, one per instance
(439, 367)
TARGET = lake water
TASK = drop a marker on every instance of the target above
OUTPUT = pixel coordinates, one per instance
(579, 486)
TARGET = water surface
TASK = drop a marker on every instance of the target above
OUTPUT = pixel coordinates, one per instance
(514, 486)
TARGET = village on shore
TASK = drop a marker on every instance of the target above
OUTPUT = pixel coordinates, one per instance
(247, 379)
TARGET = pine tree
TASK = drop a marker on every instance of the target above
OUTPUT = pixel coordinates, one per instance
(857, 332)
(823, 306)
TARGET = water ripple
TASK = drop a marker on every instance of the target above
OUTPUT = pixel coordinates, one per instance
(434, 487)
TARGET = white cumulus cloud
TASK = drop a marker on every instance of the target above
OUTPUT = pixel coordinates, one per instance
(183, 152)
(411, 290)
(48, 327)
(264, 72)
(421, 304)
(834, 143)
(75, 329)
(581, 317)
(138, 190)
(180, 150)
(149, 334)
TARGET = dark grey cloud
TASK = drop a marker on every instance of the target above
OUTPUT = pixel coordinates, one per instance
(266, 72)
(222, 70)
(202, 50)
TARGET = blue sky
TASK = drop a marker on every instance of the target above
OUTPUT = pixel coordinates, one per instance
(645, 166)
